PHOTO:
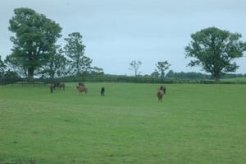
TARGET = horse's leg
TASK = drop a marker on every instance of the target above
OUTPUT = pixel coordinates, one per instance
(51, 89)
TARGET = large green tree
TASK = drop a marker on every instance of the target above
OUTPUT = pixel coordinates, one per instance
(34, 40)
(215, 50)
(74, 49)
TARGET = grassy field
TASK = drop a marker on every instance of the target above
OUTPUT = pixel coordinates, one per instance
(194, 124)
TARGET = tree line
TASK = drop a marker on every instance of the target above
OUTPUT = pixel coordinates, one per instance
(35, 51)
(213, 49)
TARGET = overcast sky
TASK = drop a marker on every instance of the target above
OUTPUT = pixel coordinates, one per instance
(116, 32)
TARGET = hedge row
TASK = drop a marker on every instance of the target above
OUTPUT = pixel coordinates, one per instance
(113, 78)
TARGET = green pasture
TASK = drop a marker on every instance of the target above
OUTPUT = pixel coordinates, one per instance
(200, 124)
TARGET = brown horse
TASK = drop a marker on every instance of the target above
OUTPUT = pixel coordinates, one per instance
(161, 93)
(81, 88)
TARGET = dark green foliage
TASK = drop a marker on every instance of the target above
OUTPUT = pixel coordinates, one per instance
(35, 36)
(57, 65)
(187, 76)
(9, 77)
(2, 69)
(215, 50)
(162, 66)
(2, 66)
(74, 49)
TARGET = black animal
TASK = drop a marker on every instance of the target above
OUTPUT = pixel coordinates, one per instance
(54, 85)
(59, 85)
(102, 91)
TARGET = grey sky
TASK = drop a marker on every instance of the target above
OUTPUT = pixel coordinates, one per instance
(118, 31)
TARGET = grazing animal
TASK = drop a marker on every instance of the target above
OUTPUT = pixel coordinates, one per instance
(161, 93)
(81, 88)
(55, 85)
(62, 86)
(102, 91)
(52, 87)
(80, 83)
(59, 85)
(163, 88)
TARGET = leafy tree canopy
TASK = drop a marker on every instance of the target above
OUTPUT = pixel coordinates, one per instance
(35, 36)
(57, 65)
(2, 66)
(74, 49)
(162, 66)
(215, 50)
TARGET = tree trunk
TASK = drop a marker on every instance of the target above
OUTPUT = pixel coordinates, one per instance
(217, 80)
(30, 74)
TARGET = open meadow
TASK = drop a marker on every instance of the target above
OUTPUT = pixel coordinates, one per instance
(195, 123)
